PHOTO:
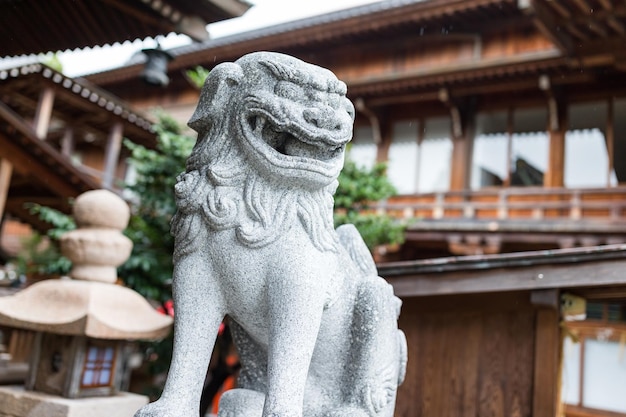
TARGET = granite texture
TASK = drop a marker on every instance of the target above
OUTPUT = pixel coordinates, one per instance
(315, 327)
(97, 247)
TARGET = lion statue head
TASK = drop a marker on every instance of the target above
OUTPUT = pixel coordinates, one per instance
(272, 132)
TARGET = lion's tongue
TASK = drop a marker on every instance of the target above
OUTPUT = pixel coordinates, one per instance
(294, 147)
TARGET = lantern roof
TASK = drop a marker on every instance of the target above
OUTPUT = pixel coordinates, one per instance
(84, 308)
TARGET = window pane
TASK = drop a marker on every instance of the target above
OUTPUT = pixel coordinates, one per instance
(105, 377)
(403, 157)
(595, 311)
(108, 354)
(489, 159)
(530, 120)
(88, 377)
(92, 355)
(571, 372)
(435, 156)
(529, 158)
(98, 367)
(605, 373)
(491, 123)
(362, 148)
(586, 159)
(529, 147)
(591, 115)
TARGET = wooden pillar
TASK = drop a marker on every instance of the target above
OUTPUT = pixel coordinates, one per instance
(386, 136)
(547, 356)
(112, 154)
(6, 169)
(421, 133)
(43, 114)
(610, 140)
(509, 146)
(67, 142)
(557, 127)
(463, 126)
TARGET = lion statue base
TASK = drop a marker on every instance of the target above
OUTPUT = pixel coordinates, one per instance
(314, 325)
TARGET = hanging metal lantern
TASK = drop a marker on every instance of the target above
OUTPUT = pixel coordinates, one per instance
(155, 70)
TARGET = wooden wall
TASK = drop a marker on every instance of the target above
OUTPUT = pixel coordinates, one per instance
(475, 356)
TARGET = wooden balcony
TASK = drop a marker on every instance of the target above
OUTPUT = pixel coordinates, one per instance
(522, 203)
(509, 219)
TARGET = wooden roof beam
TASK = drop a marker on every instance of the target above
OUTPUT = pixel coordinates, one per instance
(616, 25)
(595, 27)
(87, 122)
(583, 6)
(560, 9)
(112, 154)
(124, 6)
(64, 181)
(43, 114)
(547, 23)
(30, 165)
(192, 26)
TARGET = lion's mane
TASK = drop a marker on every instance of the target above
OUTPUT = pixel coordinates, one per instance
(222, 190)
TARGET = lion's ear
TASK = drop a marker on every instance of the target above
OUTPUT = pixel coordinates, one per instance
(215, 94)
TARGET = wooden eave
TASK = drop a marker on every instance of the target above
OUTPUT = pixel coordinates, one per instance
(41, 174)
(363, 26)
(582, 28)
(471, 73)
(349, 26)
(78, 103)
(595, 268)
(34, 26)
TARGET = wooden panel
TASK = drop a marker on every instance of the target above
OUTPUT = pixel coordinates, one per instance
(513, 41)
(467, 363)
(547, 347)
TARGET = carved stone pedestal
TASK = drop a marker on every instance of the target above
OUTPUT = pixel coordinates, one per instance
(16, 402)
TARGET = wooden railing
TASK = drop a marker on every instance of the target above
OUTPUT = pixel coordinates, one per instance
(533, 203)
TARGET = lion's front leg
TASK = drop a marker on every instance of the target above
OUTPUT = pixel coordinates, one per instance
(296, 307)
(197, 318)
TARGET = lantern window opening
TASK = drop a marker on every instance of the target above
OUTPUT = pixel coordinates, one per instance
(99, 367)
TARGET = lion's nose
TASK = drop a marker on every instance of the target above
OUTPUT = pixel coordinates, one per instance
(322, 117)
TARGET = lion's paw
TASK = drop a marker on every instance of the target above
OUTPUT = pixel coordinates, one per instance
(162, 408)
(292, 414)
(347, 412)
(241, 402)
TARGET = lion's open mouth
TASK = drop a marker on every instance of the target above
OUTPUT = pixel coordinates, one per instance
(285, 143)
(293, 147)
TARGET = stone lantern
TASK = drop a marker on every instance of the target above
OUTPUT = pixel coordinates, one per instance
(84, 322)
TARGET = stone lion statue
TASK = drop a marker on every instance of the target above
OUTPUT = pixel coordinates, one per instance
(314, 325)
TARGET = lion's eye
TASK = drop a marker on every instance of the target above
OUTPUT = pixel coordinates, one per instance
(289, 90)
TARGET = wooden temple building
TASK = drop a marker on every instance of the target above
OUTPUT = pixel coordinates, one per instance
(59, 136)
(503, 123)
